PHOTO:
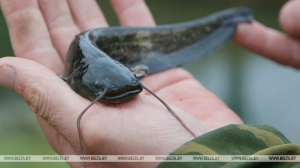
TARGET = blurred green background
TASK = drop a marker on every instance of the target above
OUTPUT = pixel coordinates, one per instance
(259, 90)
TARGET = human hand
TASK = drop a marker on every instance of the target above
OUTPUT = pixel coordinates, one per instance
(282, 48)
(41, 31)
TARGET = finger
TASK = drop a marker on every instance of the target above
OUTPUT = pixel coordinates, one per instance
(46, 94)
(289, 18)
(269, 43)
(133, 13)
(60, 24)
(87, 14)
(28, 33)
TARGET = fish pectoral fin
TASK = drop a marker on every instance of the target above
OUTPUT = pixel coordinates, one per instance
(140, 70)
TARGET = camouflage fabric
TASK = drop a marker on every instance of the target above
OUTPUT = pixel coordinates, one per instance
(238, 140)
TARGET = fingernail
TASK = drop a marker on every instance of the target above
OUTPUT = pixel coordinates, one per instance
(7, 76)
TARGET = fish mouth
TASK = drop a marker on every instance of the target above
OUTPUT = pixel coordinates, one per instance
(124, 94)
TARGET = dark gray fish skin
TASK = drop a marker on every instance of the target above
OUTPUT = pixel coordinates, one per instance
(100, 58)
(168, 46)
(92, 71)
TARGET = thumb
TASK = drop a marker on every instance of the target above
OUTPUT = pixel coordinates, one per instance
(46, 94)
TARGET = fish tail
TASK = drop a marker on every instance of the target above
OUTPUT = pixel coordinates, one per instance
(236, 15)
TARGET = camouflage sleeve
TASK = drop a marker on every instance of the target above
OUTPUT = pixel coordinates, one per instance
(238, 140)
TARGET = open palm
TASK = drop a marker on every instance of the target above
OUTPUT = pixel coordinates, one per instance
(41, 31)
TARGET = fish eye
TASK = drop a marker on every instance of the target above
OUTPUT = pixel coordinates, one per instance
(99, 93)
(114, 87)
(97, 85)
(134, 81)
